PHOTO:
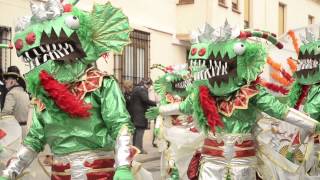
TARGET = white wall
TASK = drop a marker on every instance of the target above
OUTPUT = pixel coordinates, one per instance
(10, 11)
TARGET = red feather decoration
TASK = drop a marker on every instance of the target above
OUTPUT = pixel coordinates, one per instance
(287, 75)
(63, 98)
(303, 95)
(209, 108)
(271, 86)
(194, 166)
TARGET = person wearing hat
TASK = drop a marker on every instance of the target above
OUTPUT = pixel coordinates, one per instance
(16, 100)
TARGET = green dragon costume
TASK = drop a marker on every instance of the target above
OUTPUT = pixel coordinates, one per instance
(79, 111)
(226, 100)
(177, 136)
(305, 93)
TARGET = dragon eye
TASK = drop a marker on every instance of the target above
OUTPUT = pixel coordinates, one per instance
(72, 22)
(239, 48)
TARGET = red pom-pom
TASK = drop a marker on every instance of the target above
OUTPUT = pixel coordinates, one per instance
(67, 8)
(209, 108)
(18, 44)
(31, 38)
(63, 98)
(202, 51)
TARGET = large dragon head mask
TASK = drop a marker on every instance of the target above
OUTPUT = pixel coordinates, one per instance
(63, 40)
(224, 59)
(308, 70)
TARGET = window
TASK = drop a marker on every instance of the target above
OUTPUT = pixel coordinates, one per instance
(282, 18)
(246, 10)
(133, 63)
(5, 54)
(235, 4)
(310, 19)
(186, 2)
(222, 3)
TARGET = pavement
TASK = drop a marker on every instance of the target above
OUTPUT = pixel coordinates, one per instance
(150, 161)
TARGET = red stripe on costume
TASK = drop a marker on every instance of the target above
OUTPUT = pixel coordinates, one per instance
(100, 163)
(63, 98)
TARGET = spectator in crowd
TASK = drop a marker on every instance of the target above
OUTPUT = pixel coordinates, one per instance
(139, 104)
(127, 91)
(16, 100)
(3, 89)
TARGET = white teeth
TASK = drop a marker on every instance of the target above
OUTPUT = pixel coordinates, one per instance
(35, 52)
(45, 57)
(207, 74)
(65, 51)
(60, 46)
(210, 64)
(51, 56)
(218, 67)
(56, 54)
(224, 68)
(36, 60)
(27, 55)
(48, 47)
(66, 45)
(60, 53)
(42, 49)
(54, 47)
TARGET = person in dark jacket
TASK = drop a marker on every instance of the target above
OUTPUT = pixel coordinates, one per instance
(139, 103)
(3, 89)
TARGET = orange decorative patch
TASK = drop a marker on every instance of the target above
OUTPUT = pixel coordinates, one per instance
(240, 101)
(93, 81)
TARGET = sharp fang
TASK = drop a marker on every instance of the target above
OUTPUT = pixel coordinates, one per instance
(60, 46)
(71, 48)
(54, 47)
(27, 55)
(207, 73)
(60, 53)
(36, 52)
(218, 67)
(48, 47)
(42, 49)
(224, 68)
(213, 72)
(45, 57)
(66, 51)
(36, 60)
(51, 56)
(204, 75)
(56, 54)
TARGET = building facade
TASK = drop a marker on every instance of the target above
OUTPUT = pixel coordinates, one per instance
(162, 28)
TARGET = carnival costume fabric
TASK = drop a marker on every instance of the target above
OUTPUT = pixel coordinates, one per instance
(226, 101)
(305, 93)
(177, 136)
(79, 111)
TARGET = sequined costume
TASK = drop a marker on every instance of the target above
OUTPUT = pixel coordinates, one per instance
(79, 111)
